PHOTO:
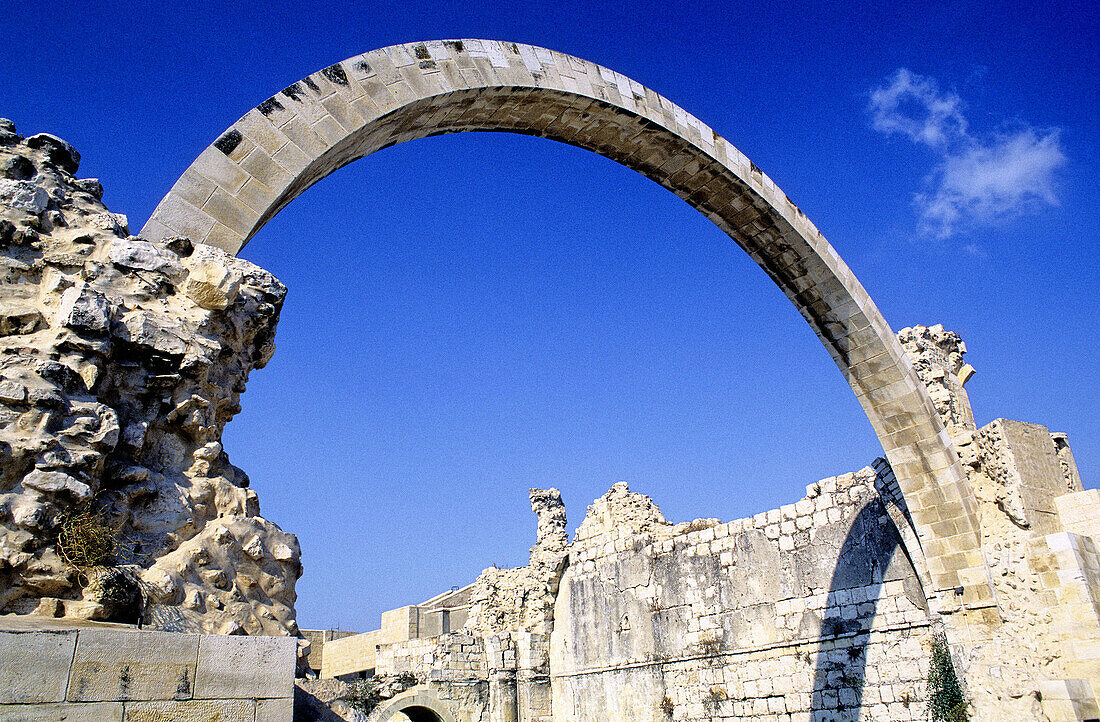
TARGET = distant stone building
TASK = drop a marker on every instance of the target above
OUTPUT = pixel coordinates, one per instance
(347, 655)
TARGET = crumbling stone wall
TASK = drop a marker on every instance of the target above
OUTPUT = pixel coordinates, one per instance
(522, 599)
(121, 361)
(812, 610)
(1031, 654)
(937, 357)
(816, 610)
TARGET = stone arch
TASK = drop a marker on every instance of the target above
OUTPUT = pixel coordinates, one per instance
(403, 92)
(418, 704)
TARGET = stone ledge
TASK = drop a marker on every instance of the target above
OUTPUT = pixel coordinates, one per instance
(96, 712)
(34, 666)
(102, 673)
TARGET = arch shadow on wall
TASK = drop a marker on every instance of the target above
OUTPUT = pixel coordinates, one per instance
(403, 92)
(866, 561)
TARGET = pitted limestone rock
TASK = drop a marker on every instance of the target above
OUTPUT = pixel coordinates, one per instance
(121, 360)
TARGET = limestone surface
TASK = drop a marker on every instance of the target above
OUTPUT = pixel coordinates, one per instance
(121, 361)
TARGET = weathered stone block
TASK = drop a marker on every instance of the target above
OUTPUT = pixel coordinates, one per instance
(99, 712)
(275, 710)
(133, 665)
(144, 256)
(220, 710)
(1022, 460)
(34, 666)
(242, 667)
(211, 284)
(23, 195)
(84, 309)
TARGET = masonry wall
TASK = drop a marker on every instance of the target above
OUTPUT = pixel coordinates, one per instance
(317, 639)
(813, 612)
(104, 674)
(807, 612)
(348, 654)
(459, 668)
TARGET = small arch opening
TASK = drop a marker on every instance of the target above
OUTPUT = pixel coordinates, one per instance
(421, 714)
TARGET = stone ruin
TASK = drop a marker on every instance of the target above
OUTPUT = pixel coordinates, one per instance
(122, 357)
(121, 361)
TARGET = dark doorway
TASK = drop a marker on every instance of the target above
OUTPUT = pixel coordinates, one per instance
(421, 714)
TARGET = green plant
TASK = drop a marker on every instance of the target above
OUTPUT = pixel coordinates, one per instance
(946, 702)
(711, 646)
(714, 698)
(86, 538)
(363, 695)
(667, 707)
(366, 694)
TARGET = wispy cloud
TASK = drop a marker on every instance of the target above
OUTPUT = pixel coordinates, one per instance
(913, 105)
(978, 180)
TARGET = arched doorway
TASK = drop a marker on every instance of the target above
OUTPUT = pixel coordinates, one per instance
(421, 714)
(418, 704)
(353, 108)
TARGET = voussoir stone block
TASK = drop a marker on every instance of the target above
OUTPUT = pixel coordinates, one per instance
(245, 667)
(133, 665)
(34, 666)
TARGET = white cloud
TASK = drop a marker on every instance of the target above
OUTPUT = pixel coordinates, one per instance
(913, 105)
(978, 180)
(988, 183)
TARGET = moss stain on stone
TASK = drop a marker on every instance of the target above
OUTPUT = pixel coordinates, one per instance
(336, 74)
(229, 141)
(293, 91)
(269, 106)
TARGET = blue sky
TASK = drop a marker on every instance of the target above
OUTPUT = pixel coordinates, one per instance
(472, 315)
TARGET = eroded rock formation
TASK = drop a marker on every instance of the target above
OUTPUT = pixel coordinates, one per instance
(121, 361)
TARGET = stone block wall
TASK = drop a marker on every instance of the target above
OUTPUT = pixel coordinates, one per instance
(104, 673)
(1068, 566)
(457, 668)
(317, 639)
(349, 653)
(1023, 460)
(812, 612)
(807, 612)
(1079, 512)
